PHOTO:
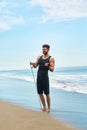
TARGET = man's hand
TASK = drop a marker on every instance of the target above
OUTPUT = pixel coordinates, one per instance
(31, 63)
(47, 64)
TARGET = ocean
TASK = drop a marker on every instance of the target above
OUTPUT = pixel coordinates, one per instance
(68, 90)
(73, 79)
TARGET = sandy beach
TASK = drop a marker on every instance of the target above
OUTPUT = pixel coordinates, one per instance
(14, 117)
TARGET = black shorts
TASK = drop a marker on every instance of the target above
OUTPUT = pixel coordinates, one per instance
(43, 84)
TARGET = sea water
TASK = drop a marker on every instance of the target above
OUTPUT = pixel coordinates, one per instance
(73, 79)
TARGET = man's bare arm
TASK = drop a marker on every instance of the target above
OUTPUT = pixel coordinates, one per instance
(52, 64)
(35, 64)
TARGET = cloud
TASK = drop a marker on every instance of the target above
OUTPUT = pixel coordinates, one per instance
(3, 4)
(9, 16)
(61, 10)
(4, 26)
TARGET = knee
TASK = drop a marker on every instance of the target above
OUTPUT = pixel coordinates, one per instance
(40, 95)
(47, 95)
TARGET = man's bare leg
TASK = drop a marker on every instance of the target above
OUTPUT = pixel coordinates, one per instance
(48, 102)
(43, 102)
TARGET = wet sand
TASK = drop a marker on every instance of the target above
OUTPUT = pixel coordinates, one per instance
(13, 117)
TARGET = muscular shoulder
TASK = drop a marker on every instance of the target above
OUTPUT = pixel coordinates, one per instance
(52, 59)
(38, 58)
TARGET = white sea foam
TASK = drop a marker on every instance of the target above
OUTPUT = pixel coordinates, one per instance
(25, 78)
(71, 83)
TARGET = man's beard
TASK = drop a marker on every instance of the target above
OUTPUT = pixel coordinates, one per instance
(45, 53)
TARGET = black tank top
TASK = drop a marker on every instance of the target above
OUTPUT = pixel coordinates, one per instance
(42, 68)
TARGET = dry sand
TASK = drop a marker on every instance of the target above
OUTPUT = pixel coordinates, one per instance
(14, 117)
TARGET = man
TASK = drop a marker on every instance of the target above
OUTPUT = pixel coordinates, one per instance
(45, 63)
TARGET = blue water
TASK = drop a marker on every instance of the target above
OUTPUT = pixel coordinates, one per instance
(72, 70)
(17, 86)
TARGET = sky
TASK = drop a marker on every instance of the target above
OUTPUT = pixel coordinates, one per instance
(25, 25)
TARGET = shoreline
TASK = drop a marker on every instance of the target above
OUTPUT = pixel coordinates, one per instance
(13, 117)
(67, 107)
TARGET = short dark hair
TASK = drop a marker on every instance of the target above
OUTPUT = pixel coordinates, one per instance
(46, 45)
